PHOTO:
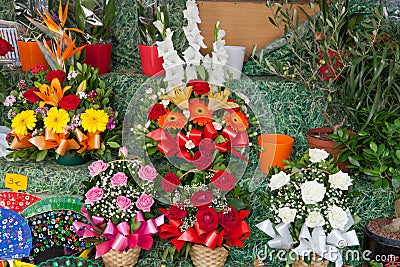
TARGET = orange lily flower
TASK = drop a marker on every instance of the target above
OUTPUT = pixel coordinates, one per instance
(51, 94)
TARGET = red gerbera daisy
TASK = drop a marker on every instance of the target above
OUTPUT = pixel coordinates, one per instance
(199, 112)
(237, 120)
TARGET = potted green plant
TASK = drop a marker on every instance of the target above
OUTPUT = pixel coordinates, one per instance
(375, 152)
(322, 48)
(153, 22)
(95, 18)
(29, 51)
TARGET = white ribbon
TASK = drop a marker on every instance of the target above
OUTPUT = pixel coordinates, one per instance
(343, 239)
(3, 142)
(281, 237)
(327, 247)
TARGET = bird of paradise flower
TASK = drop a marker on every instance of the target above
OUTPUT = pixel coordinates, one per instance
(62, 46)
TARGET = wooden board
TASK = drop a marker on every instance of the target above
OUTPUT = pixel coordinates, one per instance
(245, 23)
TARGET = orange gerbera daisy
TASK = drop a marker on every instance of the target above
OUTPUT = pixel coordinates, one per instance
(237, 120)
(175, 120)
(199, 112)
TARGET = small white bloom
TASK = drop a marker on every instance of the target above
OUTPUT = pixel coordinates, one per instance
(191, 72)
(244, 97)
(317, 155)
(220, 57)
(312, 192)
(81, 95)
(186, 113)
(153, 97)
(279, 180)
(337, 217)
(217, 125)
(159, 25)
(192, 56)
(147, 125)
(287, 214)
(207, 61)
(340, 180)
(219, 46)
(139, 126)
(149, 90)
(189, 144)
(314, 219)
(9, 101)
(221, 34)
(162, 90)
(165, 103)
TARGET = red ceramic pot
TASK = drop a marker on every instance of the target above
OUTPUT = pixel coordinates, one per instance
(151, 63)
(98, 56)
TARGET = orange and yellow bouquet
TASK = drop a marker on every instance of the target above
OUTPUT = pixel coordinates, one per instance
(63, 111)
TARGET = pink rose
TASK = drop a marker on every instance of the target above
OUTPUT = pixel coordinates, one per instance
(97, 167)
(147, 173)
(144, 202)
(124, 202)
(119, 179)
(93, 195)
(123, 152)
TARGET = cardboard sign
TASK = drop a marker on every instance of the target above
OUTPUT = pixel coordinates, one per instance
(16, 182)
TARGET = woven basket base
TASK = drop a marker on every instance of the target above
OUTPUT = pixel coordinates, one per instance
(128, 258)
(203, 256)
(316, 261)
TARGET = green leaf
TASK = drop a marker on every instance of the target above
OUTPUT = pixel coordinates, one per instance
(354, 162)
(236, 203)
(41, 155)
(373, 146)
(113, 144)
(201, 71)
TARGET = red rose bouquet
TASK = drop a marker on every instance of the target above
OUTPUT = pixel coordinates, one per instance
(207, 221)
(61, 111)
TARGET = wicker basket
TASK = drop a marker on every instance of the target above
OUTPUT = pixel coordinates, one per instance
(316, 261)
(128, 258)
(203, 256)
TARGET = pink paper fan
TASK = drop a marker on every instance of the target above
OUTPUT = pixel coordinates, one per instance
(16, 201)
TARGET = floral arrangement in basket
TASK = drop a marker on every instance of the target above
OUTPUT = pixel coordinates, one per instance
(122, 214)
(208, 221)
(201, 140)
(309, 206)
(63, 111)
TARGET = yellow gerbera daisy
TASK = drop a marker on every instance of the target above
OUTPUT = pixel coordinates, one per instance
(94, 120)
(56, 120)
(24, 121)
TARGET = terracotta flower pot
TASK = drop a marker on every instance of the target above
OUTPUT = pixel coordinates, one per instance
(277, 147)
(327, 145)
(151, 63)
(98, 56)
(30, 55)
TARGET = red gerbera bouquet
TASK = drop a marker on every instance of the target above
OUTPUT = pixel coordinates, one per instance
(198, 130)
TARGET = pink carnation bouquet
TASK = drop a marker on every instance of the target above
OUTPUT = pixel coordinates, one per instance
(122, 215)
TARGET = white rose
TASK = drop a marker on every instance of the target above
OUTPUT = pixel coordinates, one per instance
(340, 180)
(317, 155)
(337, 217)
(279, 180)
(312, 192)
(287, 214)
(314, 219)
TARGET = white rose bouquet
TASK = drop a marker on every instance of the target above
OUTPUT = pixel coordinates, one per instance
(309, 206)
